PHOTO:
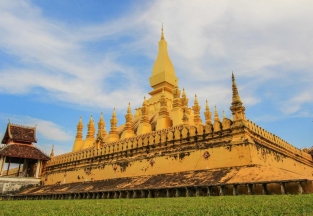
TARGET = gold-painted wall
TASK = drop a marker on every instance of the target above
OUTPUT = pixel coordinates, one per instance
(268, 157)
(220, 157)
(178, 149)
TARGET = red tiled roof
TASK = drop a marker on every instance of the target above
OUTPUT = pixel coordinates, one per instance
(18, 133)
(23, 151)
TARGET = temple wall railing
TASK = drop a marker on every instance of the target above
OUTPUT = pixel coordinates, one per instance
(156, 138)
(178, 134)
(276, 140)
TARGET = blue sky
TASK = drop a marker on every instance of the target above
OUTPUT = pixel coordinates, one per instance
(63, 59)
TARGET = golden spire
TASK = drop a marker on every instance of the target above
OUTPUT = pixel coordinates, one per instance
(163, 105)
(224, 115)
(101, 127)
(129, 119)
(196, 109)
(145, 111)
(216, 117)
(80, 127)
(184, 99)
(52, 151)
(236, 97)
(184, 102)
(113, 122)
(207, 113)
(207, 108)
(176, 98)
(129, 111)
(184, 93)
(162, 33)
(163, 72)
(238, 110)
(91, 128)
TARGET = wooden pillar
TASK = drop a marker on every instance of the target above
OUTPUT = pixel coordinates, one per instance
(102, 195)
(143, 194)
(187, 192)
(135, 194)
(300, 189)
(19, 168)
(209, 191)
(25, 166)
(250, 189)
(264, 189)
(197, 191)
(149, 194)
(156, 193)
(177, 192)
(222, 190)
(168, 193)
(283, 188)
(121, 195)
(127, 194)
(235, 190)
(2, 162)
(38, 168)
(9, 166)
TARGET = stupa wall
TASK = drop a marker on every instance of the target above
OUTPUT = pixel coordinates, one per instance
(176, 149)
(270, 150)
(219, 156)
(263, 155)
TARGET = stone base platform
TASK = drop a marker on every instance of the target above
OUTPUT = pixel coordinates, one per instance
(12, 185)
(254, 179)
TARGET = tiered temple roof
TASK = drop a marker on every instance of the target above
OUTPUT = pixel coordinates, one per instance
(18, 140)
(20, 134)
(23, 151)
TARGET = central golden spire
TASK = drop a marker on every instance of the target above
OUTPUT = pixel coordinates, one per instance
(162, 33)
(163, 73)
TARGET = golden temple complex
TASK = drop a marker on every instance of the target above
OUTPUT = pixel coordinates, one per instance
(166, 149)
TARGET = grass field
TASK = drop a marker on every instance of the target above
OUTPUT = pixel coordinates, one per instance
(227, 205)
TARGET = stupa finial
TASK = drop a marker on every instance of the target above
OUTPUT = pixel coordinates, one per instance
(216, 117)
(162, 33)
(101, 126)
(207, 113)
(80, 127)
(113, 122)
(236, 97)
(238, 110)
(129, 119)
(128, 108)
(91, 128)
(52, 151)
(196, 109)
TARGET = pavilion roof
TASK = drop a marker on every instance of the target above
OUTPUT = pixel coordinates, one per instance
(23, 151)
(19, 134)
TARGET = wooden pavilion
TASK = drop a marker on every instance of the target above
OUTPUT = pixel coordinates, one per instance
(19, 149)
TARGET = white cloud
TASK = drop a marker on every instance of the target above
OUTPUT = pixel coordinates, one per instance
(264, 43)
(54, 61)
(294, 104)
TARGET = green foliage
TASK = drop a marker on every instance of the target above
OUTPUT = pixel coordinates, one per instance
(226, 205)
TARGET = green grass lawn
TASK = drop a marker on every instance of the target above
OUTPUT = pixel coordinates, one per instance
(227, 205)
